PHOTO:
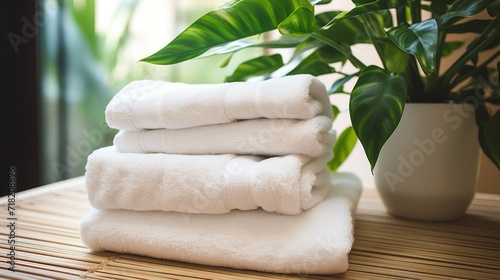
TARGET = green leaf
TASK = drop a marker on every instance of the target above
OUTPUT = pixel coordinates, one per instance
(231, 22)
(338, 85)
(494, 9)
(317, 63)
(440, 7)
(420, 40)
(335, 111)
(226, 61)
(343, 147)
(450, 47)
(256, 67)
(365, 8)
(498, 73)
(315, 68)
(300, 23)
(489, 138)
(471, 26)
(464, 8)
(395, 59)
(494, 44)
(232, 47)
(350, 31)
(376, 105)
(330, 55)
(324, 18)
(321, 2)
(493, 100)
(308, 44)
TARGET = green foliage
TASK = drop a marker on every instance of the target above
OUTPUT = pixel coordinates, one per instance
(236, 20)
(376, 106)
(256, 67)
(405, 46)
(419, 40)
(343, 147)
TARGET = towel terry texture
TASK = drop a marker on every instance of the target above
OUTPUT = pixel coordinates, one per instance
(231, 174)
(151, 104)
(315, 242)
(256, 137)
(211, 184)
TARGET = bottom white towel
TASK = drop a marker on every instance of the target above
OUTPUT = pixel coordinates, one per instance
(317, 241)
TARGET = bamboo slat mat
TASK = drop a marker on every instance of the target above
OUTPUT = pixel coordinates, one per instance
(48, 244)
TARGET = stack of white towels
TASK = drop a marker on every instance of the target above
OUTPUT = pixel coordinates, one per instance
(230, 174)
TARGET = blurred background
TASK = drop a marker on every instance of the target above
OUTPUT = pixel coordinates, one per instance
(63, 60)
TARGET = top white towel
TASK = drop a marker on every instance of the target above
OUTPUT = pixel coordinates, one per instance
(148, 104)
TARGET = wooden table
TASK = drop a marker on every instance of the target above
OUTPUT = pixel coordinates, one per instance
(48, 245)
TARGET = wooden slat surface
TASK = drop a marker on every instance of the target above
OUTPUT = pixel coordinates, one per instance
(48, 245)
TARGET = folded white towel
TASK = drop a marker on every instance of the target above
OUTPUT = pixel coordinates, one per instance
(317, 241)
(151, 104)
(255, 137)
(211, 184)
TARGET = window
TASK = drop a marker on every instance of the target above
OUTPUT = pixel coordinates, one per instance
(90, 49)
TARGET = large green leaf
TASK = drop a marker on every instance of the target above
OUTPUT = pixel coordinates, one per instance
(376, 105)
(256, 67)
(343, 147)
(234, 21)
(464, 8)
(300, 23)
(420, 40)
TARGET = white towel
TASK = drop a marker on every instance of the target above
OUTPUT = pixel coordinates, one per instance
(317, 241)
(151, 104)
(255, 137)
(211, 184)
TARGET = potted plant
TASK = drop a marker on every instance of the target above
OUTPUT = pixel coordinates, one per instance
(410, 38)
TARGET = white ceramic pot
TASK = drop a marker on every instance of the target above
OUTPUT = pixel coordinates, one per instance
(428, 168)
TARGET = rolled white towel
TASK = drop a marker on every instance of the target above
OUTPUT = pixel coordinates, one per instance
(312, 137)
(210, 184)
(317, 241)
(151, 104)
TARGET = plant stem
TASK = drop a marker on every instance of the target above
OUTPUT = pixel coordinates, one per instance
(441, 41)
(414, 82)
(415, 9)
(401, 13)
(433, 79)
(376, 34)
(344, 51)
